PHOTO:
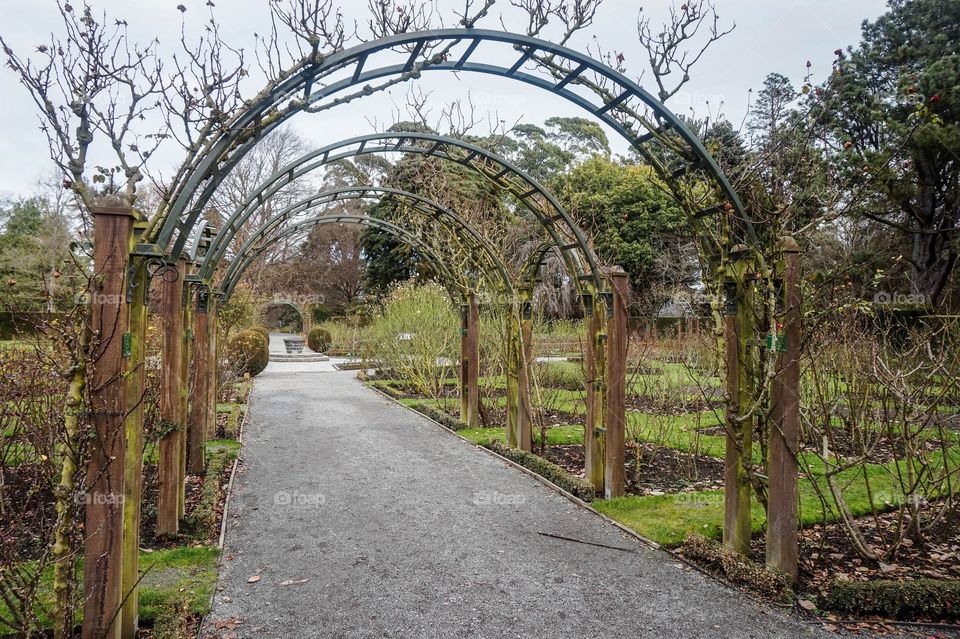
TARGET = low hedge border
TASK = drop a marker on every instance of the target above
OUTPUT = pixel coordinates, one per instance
(921, 598)
(452, 423)
(548, 470)
(735, 567)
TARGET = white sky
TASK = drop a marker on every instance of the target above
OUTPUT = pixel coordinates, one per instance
(770, 36)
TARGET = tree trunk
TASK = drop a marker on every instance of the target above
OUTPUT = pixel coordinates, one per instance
(62, 551)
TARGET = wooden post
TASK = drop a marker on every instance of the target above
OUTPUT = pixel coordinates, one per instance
(738, 335)
(170, 406)
(595, 373)
(133, 424)
(183, 391)
(213, 378)
(199, 408)
(525, 361)
(617, 331)
(470, 362)
(103, 544)
(784, 442)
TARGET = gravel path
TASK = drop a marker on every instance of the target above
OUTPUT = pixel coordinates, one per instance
(353, 517)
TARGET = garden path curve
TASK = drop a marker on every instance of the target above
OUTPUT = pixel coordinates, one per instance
(352, 517)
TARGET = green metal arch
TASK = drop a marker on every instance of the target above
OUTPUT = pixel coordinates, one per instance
(573, 244)
(413, 201)
(231, 279)
(680, 154)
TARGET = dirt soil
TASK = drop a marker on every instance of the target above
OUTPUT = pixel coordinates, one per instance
(662, 470)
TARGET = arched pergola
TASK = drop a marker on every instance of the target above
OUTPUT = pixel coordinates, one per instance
(126, 247)
(477, 247)
(454, 283)
(657, 134)
(565, 234)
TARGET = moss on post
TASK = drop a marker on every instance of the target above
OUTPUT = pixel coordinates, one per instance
(739, 418)
(595, 365)
(133, 482)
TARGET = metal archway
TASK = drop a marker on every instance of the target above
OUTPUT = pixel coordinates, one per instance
(231, 279)
(413, 201)
(572, 242)
(610, 96)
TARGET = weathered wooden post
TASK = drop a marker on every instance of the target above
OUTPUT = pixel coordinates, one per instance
(524, 355)
(470, 362)
(784, 442)
(213, 386)
(137, 298)
(171, 417)
(202, 371)
(617, 332)
(595, 366)
(738, 336)
(183, 390)
(103, 544)
(514, 351)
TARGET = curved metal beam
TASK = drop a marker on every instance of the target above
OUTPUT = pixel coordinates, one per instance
(529, 192)
(298, 92)
(413, 201)
(232, 277)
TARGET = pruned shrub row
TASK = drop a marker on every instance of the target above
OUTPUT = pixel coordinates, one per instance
(548, 470)
(439, 416)
(921, 598)
(735, 567)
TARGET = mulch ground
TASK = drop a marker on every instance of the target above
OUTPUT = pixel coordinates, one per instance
(28, 512)
(661, 470)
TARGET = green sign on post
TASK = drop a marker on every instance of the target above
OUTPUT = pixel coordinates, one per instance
(127, 344)
(781, 343)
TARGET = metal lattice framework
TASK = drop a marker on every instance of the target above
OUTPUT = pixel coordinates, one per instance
(657, 134)
(541, 205)
(451, 281)
(475, 244)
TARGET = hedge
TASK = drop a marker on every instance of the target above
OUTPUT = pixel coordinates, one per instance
(318, 340)
(921, 598)
(548, 470)
(260, 330)
(248, 353)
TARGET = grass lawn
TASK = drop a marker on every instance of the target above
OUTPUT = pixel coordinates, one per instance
(170, 575)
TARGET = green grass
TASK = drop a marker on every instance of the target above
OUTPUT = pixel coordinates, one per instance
(668, 519)
(169, 575)
(189, 572)
(557, 436)
(230, 447)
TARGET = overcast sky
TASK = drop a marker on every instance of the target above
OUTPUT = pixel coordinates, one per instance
(770, 36)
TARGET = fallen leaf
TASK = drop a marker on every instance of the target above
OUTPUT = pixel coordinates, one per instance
(806, 604)
(254, 579)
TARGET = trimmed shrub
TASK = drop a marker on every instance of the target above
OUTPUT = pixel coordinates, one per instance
(248, 353)
(440, 417)
(921, 598)
(260, 330)
(318, 340)
(735, 567)
(548, 470)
